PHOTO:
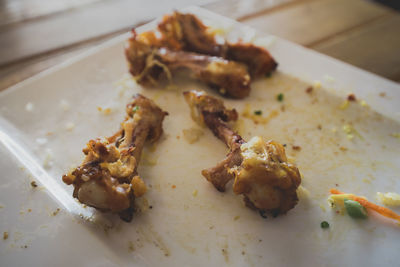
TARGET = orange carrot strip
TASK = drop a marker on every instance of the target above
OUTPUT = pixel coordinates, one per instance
(369, 205)
(334, 191)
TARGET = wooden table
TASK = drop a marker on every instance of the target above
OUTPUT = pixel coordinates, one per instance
(38, 34)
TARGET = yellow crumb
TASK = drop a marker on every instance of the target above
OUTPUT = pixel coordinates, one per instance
(317, 84)
(344, 105)
(363, 103)
(351, 132)
(389, 199)
(367, 181)
(322, 207)
(192, 135)
(396, 135)
(105, 111)
(195, 193)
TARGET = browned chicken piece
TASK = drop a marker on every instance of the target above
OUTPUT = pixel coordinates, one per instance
(186, 32)
(107, 179)
(149, 64)
(260, 169)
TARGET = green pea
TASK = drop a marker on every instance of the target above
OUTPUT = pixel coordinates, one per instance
(324, 225)
(355, 209)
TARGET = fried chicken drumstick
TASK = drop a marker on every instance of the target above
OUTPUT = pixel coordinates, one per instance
(149, 62)
(182, 42)
(186, 32)
(107, 179)
(260, 170)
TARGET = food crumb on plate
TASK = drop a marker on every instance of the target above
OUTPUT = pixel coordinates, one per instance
(192, 135)
(363, 103)
(351, 132)
(56, 212)
(248, 113)
(344, 105)
(351, 97)
(367, 181)
(329, 78)
(69, 126)
(34, 184)
(5, 235)
(131, 246)
(105, 111)
(48, 162)
(29, 106)
(297, 148)
(396, 135)
(389, 199)
(64, 105)
(317, 84)
(195, 193)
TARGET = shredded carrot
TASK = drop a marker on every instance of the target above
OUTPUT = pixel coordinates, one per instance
(369, 205)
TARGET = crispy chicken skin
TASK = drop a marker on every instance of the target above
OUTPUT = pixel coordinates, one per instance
(260, 169)
(149, 63)
(186, 32)
(184, 42)
(107, 179)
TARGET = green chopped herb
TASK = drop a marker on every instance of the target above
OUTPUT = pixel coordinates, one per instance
(268, 74)
(258, 112)
(280, 97)
(135, 108)
(355, 209)
(324, 225)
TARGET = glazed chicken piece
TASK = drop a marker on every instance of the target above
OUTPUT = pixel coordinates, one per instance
(107, 179)
(261, 172)
(150, 63)
(186, 32)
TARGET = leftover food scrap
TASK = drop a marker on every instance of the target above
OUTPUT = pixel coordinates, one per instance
(260, 170)
(107, 179)
(183, 42)
(358, 207)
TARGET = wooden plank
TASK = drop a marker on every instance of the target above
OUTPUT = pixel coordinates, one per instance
(40, 36)
(12, 11)
(375, 48)
(313, 21)
(239, 9)
(19, 71)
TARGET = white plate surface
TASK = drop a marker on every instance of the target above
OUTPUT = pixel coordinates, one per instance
(46, 121)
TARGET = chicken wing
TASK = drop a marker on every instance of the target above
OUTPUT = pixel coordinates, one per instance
(260, 169)
(107, 179)
(186, 32)
(149, 63)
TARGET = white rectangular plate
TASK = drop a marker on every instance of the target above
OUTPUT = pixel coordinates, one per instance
(46, 121)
